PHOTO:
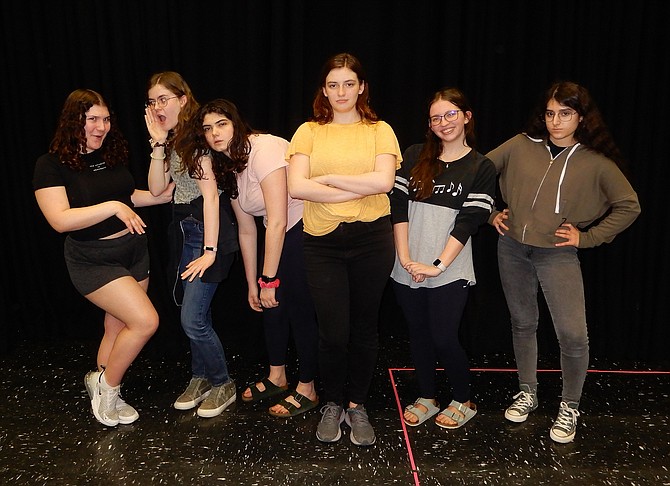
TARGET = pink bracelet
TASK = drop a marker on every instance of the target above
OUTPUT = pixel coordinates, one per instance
(268, 285)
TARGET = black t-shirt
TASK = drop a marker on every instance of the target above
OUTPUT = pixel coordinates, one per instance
(96, 184)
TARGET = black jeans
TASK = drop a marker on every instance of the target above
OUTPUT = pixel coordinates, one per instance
(347, 271)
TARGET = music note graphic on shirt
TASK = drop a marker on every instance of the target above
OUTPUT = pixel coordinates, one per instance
(457, 191)
(439, 189)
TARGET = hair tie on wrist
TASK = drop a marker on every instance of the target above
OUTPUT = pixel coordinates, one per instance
(266, 282)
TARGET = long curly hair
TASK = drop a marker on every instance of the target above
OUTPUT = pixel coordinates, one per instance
(193, 146)
(428, 167)
(323, 112)
(69, 140)
(591, 131)
(175, 83)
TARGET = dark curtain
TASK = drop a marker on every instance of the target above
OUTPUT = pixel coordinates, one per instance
(265, 55)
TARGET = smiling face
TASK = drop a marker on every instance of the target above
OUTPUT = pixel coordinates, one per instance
(561, 133)
(449, 131)
(342, 88)
(219, 131)
(96, 127)
(167, 106)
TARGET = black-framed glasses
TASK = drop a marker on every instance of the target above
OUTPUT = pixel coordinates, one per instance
(160, 102)
(563, 115)
(449, 116)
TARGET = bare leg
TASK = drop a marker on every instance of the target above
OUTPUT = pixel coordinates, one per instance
(277, 376)
(126, 301)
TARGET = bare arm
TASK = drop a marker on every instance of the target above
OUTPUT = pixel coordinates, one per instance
(300, 186)
(145, 198)
(400, 235)
(420, 270)
(246, 226)
(275, 194)
(56, 208)
(210, 196)
(380, 180)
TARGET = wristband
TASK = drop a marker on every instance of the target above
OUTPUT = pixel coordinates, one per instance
(210, 248)
(438, 263)
(268, 282)
(153, 157)
(153, 143)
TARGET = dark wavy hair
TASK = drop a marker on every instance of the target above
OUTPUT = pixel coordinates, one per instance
(175, 83)
(428, 167)
(193, 145)
(591, 132)
(69, 141)
(323, 112)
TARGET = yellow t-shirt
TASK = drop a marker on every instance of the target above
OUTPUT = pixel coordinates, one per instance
(343, 149)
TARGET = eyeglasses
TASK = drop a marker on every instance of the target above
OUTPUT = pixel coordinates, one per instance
(160, 102)
(563, 115)
(451, 115)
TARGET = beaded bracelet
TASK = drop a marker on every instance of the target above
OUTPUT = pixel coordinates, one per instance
(156, 158)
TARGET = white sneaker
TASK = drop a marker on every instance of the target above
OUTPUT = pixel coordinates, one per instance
(104, 401)
(127, 414)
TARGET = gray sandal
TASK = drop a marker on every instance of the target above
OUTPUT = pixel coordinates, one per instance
(420, 414)
(466, 413)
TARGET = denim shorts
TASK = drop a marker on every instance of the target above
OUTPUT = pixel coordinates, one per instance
(94, 263)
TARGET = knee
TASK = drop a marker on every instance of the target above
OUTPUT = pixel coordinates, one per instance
(150, 323)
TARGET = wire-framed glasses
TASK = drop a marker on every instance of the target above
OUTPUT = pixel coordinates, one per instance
(449, 116)
(563, 115)
(160, 102)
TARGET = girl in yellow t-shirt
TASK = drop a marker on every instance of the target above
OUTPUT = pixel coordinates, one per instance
(342, 164)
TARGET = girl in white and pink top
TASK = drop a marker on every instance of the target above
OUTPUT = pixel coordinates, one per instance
(251, 167)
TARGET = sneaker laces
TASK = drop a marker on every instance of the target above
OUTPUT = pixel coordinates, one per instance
(567, 417)
(330, 412)
(522, 401)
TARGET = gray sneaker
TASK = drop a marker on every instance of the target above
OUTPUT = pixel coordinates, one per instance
(565, 426)
(219, 398)
(362, 433)
(524, 402)
(197, 390)
(103, 401)
(127, 414)
(328, 429)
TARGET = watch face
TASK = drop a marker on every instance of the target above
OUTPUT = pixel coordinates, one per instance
(437, 262)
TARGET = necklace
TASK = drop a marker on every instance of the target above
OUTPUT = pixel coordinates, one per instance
(460, 154)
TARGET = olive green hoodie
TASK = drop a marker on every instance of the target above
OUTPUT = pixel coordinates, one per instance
(578, 186)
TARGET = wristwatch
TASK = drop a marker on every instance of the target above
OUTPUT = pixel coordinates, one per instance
(438, 263)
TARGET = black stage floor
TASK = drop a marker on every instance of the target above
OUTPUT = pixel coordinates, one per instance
(49, 436)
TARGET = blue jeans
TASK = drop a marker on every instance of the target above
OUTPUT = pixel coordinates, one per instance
(207, 357)
(558, 272)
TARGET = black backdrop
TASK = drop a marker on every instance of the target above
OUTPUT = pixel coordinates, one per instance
(265, 55)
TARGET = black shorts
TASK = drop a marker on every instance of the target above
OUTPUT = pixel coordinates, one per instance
(93, 264)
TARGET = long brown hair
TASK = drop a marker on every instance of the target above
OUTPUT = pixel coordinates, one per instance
(69, 140)
(428, 167)
(175, 83)
(323, 112)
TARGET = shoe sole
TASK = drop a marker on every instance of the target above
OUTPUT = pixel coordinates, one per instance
(192, 404)
(218, 410)
(562, 440)
(516, 418)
